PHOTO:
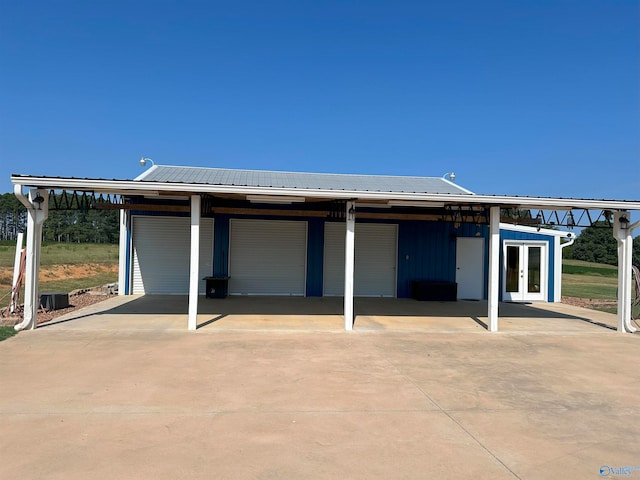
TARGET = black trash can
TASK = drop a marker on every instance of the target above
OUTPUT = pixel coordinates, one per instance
(216, 287)
(54, 300)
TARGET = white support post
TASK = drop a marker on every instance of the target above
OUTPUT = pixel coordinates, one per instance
(557, 270)
(349, 262)
(194, 274)
(31, 301)
(622, 233)
(494, 269)
(122, 253)
(38, 211)
(559, 249)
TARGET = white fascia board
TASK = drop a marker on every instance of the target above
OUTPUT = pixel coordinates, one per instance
(133, 187)
(457, 186)
(145, 173)
(542, 231)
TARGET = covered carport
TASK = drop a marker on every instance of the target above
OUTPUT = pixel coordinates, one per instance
(458, 206)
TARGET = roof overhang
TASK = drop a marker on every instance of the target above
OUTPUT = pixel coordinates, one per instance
(529, 229)
(135, 187)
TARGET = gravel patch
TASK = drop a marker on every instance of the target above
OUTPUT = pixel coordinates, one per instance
(77, 299)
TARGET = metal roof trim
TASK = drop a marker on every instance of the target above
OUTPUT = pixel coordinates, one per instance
(287, 172)
(133, 187)
(541, 231)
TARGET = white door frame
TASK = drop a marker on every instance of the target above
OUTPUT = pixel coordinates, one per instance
(522, 293)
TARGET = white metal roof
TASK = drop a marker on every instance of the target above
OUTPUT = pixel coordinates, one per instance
(299, 180)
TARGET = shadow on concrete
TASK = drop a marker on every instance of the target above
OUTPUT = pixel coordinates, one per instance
(370, 308)
(178, 305)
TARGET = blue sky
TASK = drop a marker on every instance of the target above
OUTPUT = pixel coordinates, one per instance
(518, 97)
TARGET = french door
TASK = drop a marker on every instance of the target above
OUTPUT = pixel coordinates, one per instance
(524, 271)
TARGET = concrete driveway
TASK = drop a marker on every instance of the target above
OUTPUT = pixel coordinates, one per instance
(133, 396)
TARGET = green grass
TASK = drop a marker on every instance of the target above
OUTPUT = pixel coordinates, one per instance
(588, 270)
(70, 284)
(593, 291)
(6, 332)
(588, 264)
(589, 280)
(593, 281)
(65, 253)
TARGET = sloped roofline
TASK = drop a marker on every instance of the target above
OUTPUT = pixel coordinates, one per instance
(290, 172)
(298, 180)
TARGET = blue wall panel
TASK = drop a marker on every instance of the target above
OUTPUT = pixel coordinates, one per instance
(315, 253)
(426, 251)
(221, 246)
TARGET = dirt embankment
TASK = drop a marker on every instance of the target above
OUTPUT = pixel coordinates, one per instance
(59, 272)
(590, 303)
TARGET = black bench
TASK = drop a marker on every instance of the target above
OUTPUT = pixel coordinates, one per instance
(434, 291)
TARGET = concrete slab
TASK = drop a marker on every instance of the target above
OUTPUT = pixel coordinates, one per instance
(101, 396)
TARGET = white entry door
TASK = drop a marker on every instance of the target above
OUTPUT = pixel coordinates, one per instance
(524, 271)
(470, 268)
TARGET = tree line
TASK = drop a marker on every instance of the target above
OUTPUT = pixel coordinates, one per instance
(596, 244)
(71, 226)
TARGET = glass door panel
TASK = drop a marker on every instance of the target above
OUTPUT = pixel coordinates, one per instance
(534, 264)
(512, 282)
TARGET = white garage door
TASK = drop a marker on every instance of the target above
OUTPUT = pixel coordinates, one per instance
(375, 259)
(161, 254)
(267, 257)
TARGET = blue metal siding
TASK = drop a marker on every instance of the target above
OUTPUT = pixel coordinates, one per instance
(315, 252)
(221, 246)
(426, 251)
(526, 236)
